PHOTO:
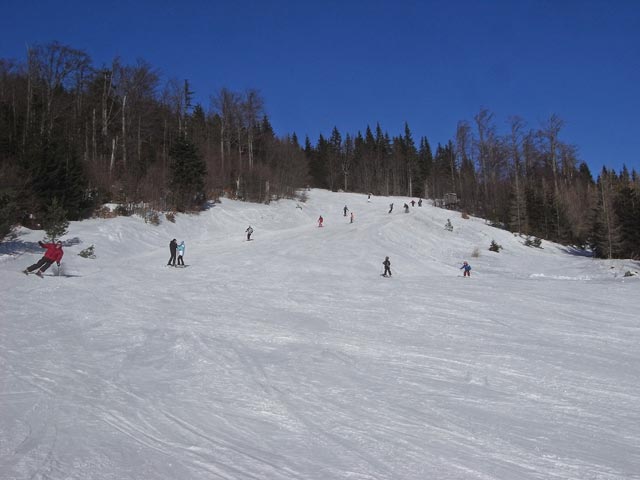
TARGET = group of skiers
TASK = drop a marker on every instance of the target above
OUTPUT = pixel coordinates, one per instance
(174, 249)
(54, 251)
(387, 263)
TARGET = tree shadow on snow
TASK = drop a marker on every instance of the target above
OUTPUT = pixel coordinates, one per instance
(15, 246)
(578, 252)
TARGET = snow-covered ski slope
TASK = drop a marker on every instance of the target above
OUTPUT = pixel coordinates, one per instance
(290, 357)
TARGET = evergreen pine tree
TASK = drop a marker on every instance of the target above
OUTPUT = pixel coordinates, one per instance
(626, 207)
(318, 164)
(187, 174)
(54, 220)
(7, 214)
(425, 166)
(56, 173)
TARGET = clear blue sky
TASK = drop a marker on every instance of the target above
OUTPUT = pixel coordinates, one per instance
(353, 63)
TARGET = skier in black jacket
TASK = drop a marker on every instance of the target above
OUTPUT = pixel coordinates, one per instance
(173, 246)
(387, 267)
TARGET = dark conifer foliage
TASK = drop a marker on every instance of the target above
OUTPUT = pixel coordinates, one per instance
(187, 173)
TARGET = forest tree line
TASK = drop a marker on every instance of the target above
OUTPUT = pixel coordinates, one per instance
(84, 135)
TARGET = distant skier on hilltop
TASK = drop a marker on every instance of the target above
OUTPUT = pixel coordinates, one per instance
(249, 232)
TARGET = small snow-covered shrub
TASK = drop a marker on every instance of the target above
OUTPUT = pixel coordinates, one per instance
(629, 274)
(495, 247)
(302, 196)
(465, 215)
(533, 242)
(88, 252)
(475, 253)
(171, 217)
(104, 212)
(154, 218)
(122, 211)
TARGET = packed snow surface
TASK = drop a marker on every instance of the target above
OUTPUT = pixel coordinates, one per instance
(290, 357)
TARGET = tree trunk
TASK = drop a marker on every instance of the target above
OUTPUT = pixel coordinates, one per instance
(94, 147)
(113, 155)
(124, 133)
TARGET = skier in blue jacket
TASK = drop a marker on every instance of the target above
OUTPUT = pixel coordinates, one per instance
(467, 269)
(181, 249)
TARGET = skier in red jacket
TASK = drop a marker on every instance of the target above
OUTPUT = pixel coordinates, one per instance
(54, 253)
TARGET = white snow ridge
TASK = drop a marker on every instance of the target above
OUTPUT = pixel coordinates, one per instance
(290, 357)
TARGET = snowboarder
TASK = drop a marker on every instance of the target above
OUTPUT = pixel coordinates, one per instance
(467, 269)
(420, 202)
(351, 218)
(181, 249)
(54, 253)
(345, 210)
(387, 267)
(320, 220)
(406, 208)
(173, 246)
(413, 203)
(249, 232)
(390, 207)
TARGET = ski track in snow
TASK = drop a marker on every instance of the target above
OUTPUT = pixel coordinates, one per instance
(289, 357)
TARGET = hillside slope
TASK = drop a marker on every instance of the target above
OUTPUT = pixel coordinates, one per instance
(289, 357)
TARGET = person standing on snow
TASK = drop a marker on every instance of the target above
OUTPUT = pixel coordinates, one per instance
(390, 207)
(320, 220)
(351, 218)
(345, 210)
(406, 208)
(420, 202)
(181, 249)
(413, 203)
(54, 253)
(249, 232)
(173, 246)
(387, 267)
(467, 269)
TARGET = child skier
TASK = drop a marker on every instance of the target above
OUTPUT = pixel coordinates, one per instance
(390, 207)
(249, 232)
(387, 267)
(181, 249)
(54, 253)
(467, 269)
(406, 208)
(351, 218)
(320, 220)
(345, 210)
